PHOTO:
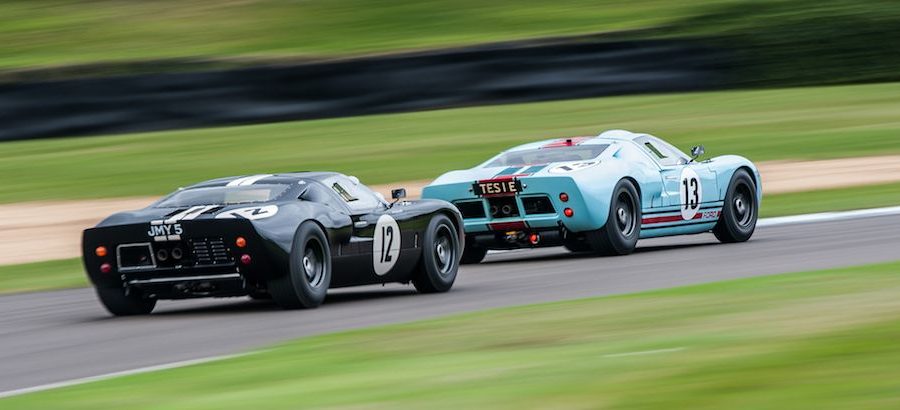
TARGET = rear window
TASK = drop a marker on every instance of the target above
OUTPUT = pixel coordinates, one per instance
(542, 156)
(224, 195)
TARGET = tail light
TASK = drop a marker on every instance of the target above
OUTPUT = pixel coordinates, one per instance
(100, 251)
(105, 268)
(245, 259)
(568, 212)
(564, 197)
(534, 238)
(240, 242)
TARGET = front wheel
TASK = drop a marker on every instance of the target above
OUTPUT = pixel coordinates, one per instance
(623, 225)
(440, 257)
(120, 303)
(307, 281)
(739, 214)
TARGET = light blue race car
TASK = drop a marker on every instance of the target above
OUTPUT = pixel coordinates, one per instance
(600, 194)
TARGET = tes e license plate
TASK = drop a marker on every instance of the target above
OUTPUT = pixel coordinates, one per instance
(505, 187)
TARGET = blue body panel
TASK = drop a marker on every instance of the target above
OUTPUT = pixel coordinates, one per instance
(590, 188)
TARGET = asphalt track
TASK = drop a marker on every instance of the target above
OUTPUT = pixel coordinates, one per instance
(55, 336)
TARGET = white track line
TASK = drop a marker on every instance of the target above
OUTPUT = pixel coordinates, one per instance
(783, 220)
(83, 380)
(829, 216)
(800, 219)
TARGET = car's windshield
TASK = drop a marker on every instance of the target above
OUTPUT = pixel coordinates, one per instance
(542, 156)
(224, 195)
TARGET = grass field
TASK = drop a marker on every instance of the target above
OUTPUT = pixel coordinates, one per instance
(65, 32)
(796, 123)
(808, 340)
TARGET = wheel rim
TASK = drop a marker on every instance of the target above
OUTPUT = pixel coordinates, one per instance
(444, 250)
(625, 220)
(313, 262)
(743, 206)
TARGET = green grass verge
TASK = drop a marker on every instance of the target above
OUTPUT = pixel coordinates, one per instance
(798, 123)
(839, 199)
(68, 273)
(49, 275)
(809, 340)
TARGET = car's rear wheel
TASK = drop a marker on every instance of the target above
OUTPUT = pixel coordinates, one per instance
(309, 276)
(739, 214)
(623, 226)
(259, 295)
(440, 257)
(472, 254)
(120, 302)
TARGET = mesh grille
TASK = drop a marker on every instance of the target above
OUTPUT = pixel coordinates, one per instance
(210, 251)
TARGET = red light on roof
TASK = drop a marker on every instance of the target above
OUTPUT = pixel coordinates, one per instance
(566, 142)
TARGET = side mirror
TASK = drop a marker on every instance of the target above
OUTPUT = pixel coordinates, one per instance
(398, 193)
(697, 151)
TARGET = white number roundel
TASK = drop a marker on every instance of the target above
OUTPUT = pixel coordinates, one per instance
(386, 245)
(691, 193)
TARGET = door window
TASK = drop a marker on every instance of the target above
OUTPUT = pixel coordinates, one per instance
(357, 196)
(661, 151)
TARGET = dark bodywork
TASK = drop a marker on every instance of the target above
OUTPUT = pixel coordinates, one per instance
(211, 263)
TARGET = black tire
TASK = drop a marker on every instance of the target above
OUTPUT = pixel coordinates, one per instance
(440, 257)
(472, 254)
(309, 275)
(576, 244)
(738, 219)
(623, 226)
(120, 304)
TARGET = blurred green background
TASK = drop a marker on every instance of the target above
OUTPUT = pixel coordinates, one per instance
(775, 42)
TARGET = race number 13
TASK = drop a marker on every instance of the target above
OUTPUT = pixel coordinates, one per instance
(691, 193)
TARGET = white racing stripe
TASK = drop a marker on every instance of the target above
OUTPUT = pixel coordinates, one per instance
(83, 380)
(189, 214)
(248, 180)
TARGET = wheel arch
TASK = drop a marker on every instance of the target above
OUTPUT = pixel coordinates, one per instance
(637, 186)
(457, 222)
